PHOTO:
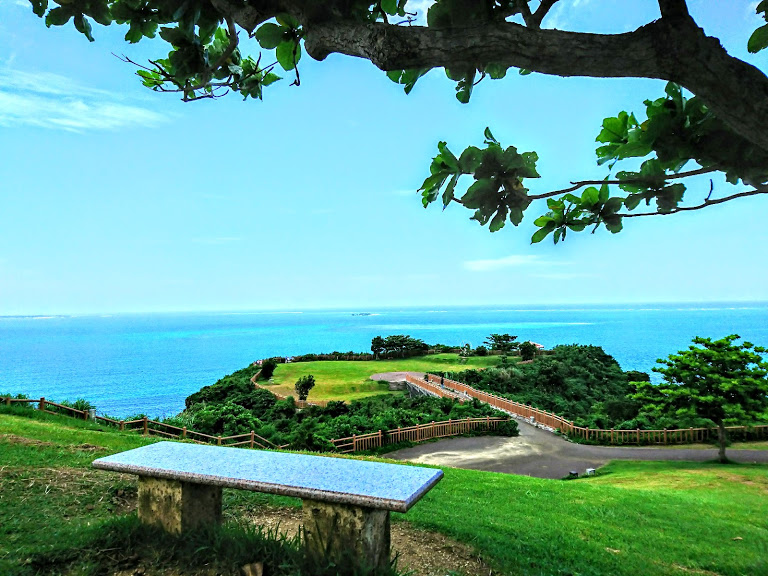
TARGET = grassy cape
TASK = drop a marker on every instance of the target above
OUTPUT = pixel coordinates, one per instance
(58, 516)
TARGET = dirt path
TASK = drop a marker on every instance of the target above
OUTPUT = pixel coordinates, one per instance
(543, 455)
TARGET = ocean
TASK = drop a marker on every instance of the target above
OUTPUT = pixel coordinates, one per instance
(126, 364)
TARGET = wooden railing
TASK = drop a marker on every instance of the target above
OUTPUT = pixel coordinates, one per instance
(153, 427)
(568, 428)
(418, 433)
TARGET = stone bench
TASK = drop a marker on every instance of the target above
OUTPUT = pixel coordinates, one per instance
(346, 502)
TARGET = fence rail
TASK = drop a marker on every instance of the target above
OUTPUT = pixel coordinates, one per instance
(151, 427)
(418, 433)
(564, 426)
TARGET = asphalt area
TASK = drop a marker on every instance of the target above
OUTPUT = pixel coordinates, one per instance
(542, 454)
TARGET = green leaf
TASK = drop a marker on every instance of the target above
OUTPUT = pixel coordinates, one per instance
(498, 221)
(479, 193)
(288, 54)
(470, 159)
(542, 233)
(134, 33)
(39, 7)
(58, 16)
(447, 157)
(83, 26)
(389, 6)
(287, 21)
(270, 35)
(464, 88)
(590, 197)
(448, 194)
(496, 71)
(515, 215)
(613, 224)
(604, 193)
(758, 40)
(489, 139)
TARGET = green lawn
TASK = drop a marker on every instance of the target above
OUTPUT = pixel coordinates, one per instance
(341, 380)
(649, 518)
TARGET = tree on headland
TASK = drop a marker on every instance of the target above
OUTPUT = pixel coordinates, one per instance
(268, 368)
(718, 380)
(377, 346)
(711, 120)
(527, 350)
(304, 385)
(504, 343)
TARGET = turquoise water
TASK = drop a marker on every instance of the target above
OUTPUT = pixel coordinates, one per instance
(149, 363)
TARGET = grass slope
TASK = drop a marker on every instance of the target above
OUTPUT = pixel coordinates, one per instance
(341, 380)
(634, 518)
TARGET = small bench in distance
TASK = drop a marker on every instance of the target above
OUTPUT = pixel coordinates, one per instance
(346, 502)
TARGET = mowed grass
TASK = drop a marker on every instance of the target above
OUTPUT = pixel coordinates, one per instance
(341, 380)
(649, 518)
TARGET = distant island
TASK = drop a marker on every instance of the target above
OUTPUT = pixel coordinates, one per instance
(362, 314)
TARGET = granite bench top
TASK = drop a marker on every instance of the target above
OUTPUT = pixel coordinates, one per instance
(339, 480)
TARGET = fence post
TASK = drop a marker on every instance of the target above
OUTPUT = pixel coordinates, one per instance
(587, 432)
(354, 442)
(8, 401)
(690, 434)
(184, 433)
(146, 426)
(41, 404)
(121, 425)
(665, 436)
(85, 414)
(218, 440)
(612, 436)
(637, 435)
(381, 443)
(253, 438)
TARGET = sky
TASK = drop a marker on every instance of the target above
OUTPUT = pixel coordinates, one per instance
(117, 199)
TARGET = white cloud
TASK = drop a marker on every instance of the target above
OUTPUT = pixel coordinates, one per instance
(216, 240)
(53, 101)
(505, 262)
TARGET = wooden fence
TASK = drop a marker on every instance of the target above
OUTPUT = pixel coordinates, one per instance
(152, 427)
(568, 428)
(418, 433)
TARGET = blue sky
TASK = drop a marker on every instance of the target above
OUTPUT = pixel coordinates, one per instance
(117, 199)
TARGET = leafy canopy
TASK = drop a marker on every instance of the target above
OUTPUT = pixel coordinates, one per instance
(722, 380)
(719, 129)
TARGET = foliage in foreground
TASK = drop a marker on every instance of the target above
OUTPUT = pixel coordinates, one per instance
(234, 406)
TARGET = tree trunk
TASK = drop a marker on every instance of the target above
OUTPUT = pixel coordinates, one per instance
(721, 439)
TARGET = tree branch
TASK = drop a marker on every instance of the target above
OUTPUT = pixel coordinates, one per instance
(674, 9)
(677, 51)
(704, 204)
(542, 11)
(582, 183)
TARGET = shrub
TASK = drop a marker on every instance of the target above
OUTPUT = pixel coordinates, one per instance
(268, 368)
(304, 385)
(527, 350)
(481, 351)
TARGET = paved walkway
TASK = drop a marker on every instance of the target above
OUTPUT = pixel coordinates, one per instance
(543, 455)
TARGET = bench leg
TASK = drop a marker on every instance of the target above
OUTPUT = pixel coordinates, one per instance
(178, 506)
(347, 535)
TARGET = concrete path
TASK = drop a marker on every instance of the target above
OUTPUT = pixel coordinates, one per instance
(543, 455)
(396, 376)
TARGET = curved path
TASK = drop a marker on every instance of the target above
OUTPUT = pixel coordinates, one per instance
(542, 454)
